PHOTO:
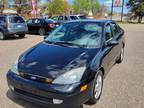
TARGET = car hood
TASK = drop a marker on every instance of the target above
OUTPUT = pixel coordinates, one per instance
(49, 60)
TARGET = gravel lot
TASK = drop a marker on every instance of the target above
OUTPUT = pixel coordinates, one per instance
(123, 86)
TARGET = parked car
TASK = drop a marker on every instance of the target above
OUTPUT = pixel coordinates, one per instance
(41, 26)
(64, 18)
(11, 25)
(67, 69)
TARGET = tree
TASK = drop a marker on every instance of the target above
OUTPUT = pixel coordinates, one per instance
(55, 7)
(86, 6)
(2, 6)
(137, 8)
(81, 5)
(21, 5)
(95, 6)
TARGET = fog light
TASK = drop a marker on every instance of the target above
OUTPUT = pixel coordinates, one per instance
(11, 87)
(57, 101)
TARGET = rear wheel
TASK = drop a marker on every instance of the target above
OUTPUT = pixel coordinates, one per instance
(121, 56)
(97, 88)
(2, 36)
(41, 31)
(22, 35)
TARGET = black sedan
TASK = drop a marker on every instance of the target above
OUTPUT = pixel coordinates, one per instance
(41, 26)
(67, 69)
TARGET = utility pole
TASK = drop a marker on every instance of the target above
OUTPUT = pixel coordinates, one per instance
(112, 9)
(122, 10)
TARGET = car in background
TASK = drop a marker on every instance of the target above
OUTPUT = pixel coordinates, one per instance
(64, 18)
(67, 69)
(11, 25)
(41, 26)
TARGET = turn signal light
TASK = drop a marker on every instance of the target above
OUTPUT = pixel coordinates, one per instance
(83, 88)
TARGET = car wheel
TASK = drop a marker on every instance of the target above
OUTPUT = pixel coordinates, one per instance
(22, 35)
(97, 88)
(41, 31)
(121, 56)
(2, 36)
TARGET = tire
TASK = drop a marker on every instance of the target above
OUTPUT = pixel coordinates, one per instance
(97, 84)
(2, 36)
(41, 31)
(121, 56)
(22, 35)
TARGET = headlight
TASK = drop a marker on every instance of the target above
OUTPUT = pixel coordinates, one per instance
(70, 77)
(14, 67)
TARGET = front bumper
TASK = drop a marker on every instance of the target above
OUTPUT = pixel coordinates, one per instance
(44, 94)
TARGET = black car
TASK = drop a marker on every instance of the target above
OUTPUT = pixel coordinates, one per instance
(41, 26)
(67, 69)
(11, 25)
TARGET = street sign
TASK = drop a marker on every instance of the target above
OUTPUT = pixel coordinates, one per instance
(117, 3)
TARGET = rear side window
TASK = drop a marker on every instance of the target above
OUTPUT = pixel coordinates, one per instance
(82, 17)
(60, 18)
(74, 17)
(16, 20)
(2, 19)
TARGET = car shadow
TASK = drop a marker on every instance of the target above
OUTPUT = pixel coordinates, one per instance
(15, 38)
(24, 103)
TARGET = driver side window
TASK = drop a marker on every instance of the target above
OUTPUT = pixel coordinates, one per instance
(108, 32)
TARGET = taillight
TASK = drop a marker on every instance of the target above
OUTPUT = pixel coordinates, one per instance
(52, 25)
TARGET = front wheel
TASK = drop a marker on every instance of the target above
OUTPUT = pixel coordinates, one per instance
(97, 88)
(22, 35)
(41, 31)
(2, 36)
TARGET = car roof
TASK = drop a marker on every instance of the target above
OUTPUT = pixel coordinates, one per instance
(5, 15)
(90, 20)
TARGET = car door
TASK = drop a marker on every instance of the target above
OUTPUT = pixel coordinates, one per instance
(29, 25)
(117, 36)
(37, 25)
(108, 51)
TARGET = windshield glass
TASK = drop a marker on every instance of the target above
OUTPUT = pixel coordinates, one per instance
(82, 34)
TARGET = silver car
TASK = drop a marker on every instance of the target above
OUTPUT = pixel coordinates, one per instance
(11, 25)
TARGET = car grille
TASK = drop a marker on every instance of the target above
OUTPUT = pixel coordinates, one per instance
(34, 95)
(35, 78)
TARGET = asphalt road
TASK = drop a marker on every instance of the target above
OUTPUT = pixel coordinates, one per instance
(123, 86)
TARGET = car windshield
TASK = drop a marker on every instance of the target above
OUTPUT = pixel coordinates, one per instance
(80, 34)
(49, 20)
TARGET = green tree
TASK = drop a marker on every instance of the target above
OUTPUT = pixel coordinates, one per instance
(55, 7)
(137, 8)
(95, 6)
(81, 5)
(86, 6)
(21, 5)
(2, 6)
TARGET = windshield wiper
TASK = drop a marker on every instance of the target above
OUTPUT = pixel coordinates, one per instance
(65, 43)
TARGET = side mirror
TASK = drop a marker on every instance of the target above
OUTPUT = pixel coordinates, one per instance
(112, 43)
